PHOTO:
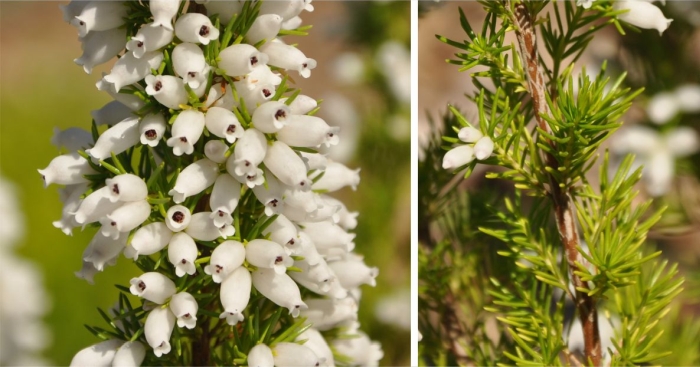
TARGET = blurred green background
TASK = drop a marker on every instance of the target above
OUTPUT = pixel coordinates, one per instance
(41, 88)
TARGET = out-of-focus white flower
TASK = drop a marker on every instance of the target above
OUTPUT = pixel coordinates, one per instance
(99, 16)
(112, 112)
(100, 47)
(100, 354)
(361, 350)
(316, 342)
(394, 61)
(293, 354)
(642, 14)
(666, 105)
(130, 354)
(395, 309)
(348, 68)
(67, 169)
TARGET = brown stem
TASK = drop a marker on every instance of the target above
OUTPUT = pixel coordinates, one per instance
(563, 205)
(200, 348)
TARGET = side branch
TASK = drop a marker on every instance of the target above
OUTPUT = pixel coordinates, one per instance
(563, 205)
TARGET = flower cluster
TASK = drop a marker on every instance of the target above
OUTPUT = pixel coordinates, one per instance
(464, 154)
(209, 162)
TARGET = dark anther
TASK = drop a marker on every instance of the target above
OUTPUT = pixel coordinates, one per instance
(158, 86)
(231, 129)
(218, 268)
(280, 114)
(178, 217)
(247, 164)
(302, 183)
(221, 213)
(192, 74)
(266, 93)
(183, 262)
(291, 242)
(187, 316)
(183, 139)
(115, 189)
(253, 60)
(250, 177)
(204, 31)
(82, 23)
(151, 134)
(142, 286)
(113, 224)
(278, 259)
(140, 44)
(274, 203)
(304, 64)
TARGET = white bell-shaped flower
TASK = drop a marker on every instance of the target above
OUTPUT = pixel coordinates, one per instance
(189, 63)
(317, 343)
(177, 218)
(225, 9)
(116, 139)
(251, 179)
(125, 218)
(288, 57)
(224, 124)
(95, 206)
(67, 169)
(202, 228)
(261, 75)
(308, 131)
(163, 12)
(184, 307)
(259, 94)
(224, 199)
(152, 128)
(688, 97)
(149, 38)
(129, 70)
(87, 272)
(338, 176)
(292, 23)
(287, 9)
(293, 354)
(216, 151)
(248, 153)
(280, 289)
(99, 16)
(285, 233)
(469, 134)
(271, 116)
(324, 211)
(71, 202)
(458, 157)
(194, 179)
(100, 354)
(260, 356)
(265, 27)
(220, 95)
(353, 272)
(153, 286)
(483, 148)
(111, 113)
(316, 278)
(130, 354)
(325, 314)
(126, 187)
(302, 104)
(158, 328)
(362, 351)
(195, 28)
(268, 254)
(72, 9)
(102, 250)
(240, 59)
(326, 235)
(287, 166)
(308, 201)
(133, 102)
(182, 252)
(235, 294)
(226, 257)
(683, 141)
(642, 14)
(168, 90)
(100, 47)
(186, 131)
(307, 249)
(270, 196)
(148, 240)
(346, 219)
(73, 138)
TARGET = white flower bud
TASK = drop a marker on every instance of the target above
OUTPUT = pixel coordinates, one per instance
(126, 187)
(302, 104)
(202, 228)
(125, 218)
(67, 169)
(280, 289)
(224, 124)
(235, 294)
(284, 233)
(158, 328)
(268, 254)
(102, 250)
(129, 70)
(168, 90)
(99, 16)
(265, 27)
(116, 139)
(483, 148)
(224, 199)
(153, 286)
(352, 272)
(642, 14)
(287, 166)
(182, 252)
(248, 153)
(189, 63)
(177, 218)
(95, 206)
(184, 307)
(458, 157)
(134, 103)
(216, 151)
(338, 176)
(148, 240)
(186, 131)
(226, 257)
(308, 131)
(195, 28)
(325, 314)
(100, 354)
(317, 343)
(194, 179)
(130, 354)
(293, 354)
(326, 235)
(362, 350)
(240, 59)
(100, 47)
(271, 116)
(260, 356)
(469, 134)
(111, 113)
(163, 12)
(314, 161)
(287, 9)
(225, 9)
(149, 38)
(70, 195)
(270, 196)
(288, 58)
(72, 139)
(152, 128)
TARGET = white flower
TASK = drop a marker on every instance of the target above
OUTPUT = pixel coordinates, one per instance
(315, 161)
(688, 97)
(126, 187)
(216, 151)
(317, 343)
(130, 354)
(270, 196)
(308, 131)
(195, 28)
(293, 354)
(586, 4)
(326, 236)
(248, 153)
(260, 356)
(189, 63)
(280, 289)
(158, 328)
(71, 201)
(184, 307)
(152, 128)
(148, 240)
(163, 12)
(287, 166)
(361, 350)
(224, 124)
(224, 199)
(302, 104)
(352, 272)
(186, 131)
(182, 252)
(251, 179)
(235, 294)
(202, 228)
(338, 176)
(283, 231)
(72, 9)
(149, 38)
(125, 218)
(129, 70)
(133, 102)
(225, 9)
(226, 257)
(287, 9)
(168, 90)
(320, 275)
(67, 169)
(153, 286)
(268, 254)
(483, 148)
(116, 139)
(259, 76)
(469, 134)
(95, 206)
(100, 47)
(99, 16)
(458, 157)
(265, 27)
(642, 14)
(177, 218)
(288, 57)
(100, 354)
(241, 59)
(102, 250)
(666, 105)
(111, 113)
(271, 116)
(194, 179)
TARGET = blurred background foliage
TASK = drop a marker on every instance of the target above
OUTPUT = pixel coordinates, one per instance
(456, 259)
(363, 76)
